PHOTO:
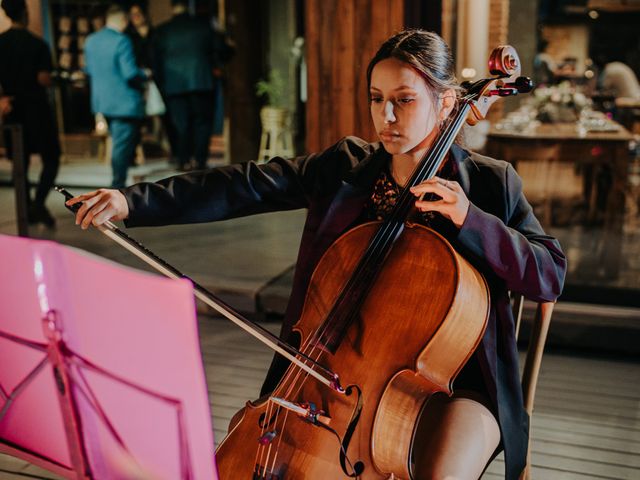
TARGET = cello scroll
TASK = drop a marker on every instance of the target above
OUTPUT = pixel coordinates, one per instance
(505, 63)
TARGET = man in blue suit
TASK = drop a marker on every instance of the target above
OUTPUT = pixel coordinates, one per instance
(117, 87)
(183, 63)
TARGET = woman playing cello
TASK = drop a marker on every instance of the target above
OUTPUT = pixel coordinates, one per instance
(475, 202)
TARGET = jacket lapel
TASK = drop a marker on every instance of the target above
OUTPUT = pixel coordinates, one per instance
(459, 156)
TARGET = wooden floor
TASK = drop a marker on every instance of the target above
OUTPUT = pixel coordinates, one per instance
(586, 424)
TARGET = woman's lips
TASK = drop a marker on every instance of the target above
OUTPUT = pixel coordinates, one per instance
(389, 136)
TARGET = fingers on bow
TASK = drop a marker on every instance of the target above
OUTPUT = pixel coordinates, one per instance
(92, 204)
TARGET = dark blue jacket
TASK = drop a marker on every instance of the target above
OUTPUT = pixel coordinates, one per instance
(183, 55)
(500, 236)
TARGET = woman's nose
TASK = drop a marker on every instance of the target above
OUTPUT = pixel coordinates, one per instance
(389, 117)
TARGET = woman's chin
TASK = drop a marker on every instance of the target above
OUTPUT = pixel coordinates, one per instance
(394, 148)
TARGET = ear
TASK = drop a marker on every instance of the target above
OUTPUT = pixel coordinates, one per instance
(446, 102)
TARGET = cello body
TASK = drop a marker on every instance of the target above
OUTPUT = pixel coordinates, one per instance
(419, 324)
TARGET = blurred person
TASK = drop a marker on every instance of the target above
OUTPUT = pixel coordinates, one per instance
(619, 80)
(24, 76)
(223, 49)
(183, 64)
(547, 71)
(544, 66)
(117, 86)
(140, 31)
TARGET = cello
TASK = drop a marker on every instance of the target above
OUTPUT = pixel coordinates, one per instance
(317, 429)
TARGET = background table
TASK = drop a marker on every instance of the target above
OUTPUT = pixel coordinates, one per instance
(593, 152)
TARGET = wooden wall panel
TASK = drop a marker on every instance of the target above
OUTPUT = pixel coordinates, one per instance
(34, 7)
(342, 36)
(498, 35)
(498, 23)
(247, 28)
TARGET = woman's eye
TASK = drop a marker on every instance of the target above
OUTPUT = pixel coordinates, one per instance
(376, 99)
(406, 100)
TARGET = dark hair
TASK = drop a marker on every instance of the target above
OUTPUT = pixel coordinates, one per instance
(426, 52)
(15, 9)
(114, 9)
(141, 4)
(179, 2)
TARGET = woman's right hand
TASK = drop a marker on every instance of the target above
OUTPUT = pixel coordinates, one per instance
(99, 207)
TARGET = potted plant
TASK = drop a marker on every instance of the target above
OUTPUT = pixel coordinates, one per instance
(272, 90)
(276, 137)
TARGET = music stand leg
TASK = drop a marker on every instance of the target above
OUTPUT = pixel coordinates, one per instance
(56, 352)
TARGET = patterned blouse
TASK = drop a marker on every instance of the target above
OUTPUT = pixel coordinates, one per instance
(386, 193)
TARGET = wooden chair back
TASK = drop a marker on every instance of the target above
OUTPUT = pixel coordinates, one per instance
(535, 166)
(533, 359)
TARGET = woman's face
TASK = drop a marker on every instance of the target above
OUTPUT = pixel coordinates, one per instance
(402, 107)
(136, 15)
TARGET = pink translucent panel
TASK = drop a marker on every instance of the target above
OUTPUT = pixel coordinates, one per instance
(138, 327)
(34, 421)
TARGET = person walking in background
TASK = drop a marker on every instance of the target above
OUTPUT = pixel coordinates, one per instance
(25, 74)
(117, 86)
(183, 62)
(140, 32)
(158, 122)
(223, 51)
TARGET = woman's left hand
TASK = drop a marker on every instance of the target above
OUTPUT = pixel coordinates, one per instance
(453, 204)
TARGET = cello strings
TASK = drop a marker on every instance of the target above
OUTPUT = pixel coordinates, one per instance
(260, 451)
(260, 460)
(292, 384)
(275, 456)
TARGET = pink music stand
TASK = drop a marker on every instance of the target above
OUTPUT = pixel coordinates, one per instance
(101, 374)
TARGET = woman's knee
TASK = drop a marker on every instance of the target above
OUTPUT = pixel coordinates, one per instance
(455, 440)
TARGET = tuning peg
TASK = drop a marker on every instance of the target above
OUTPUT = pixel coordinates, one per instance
(522, 84)
(466, 85)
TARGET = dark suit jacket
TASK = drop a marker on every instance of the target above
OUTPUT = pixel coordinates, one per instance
(500, 237)
(183, 55)
(23, 55)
